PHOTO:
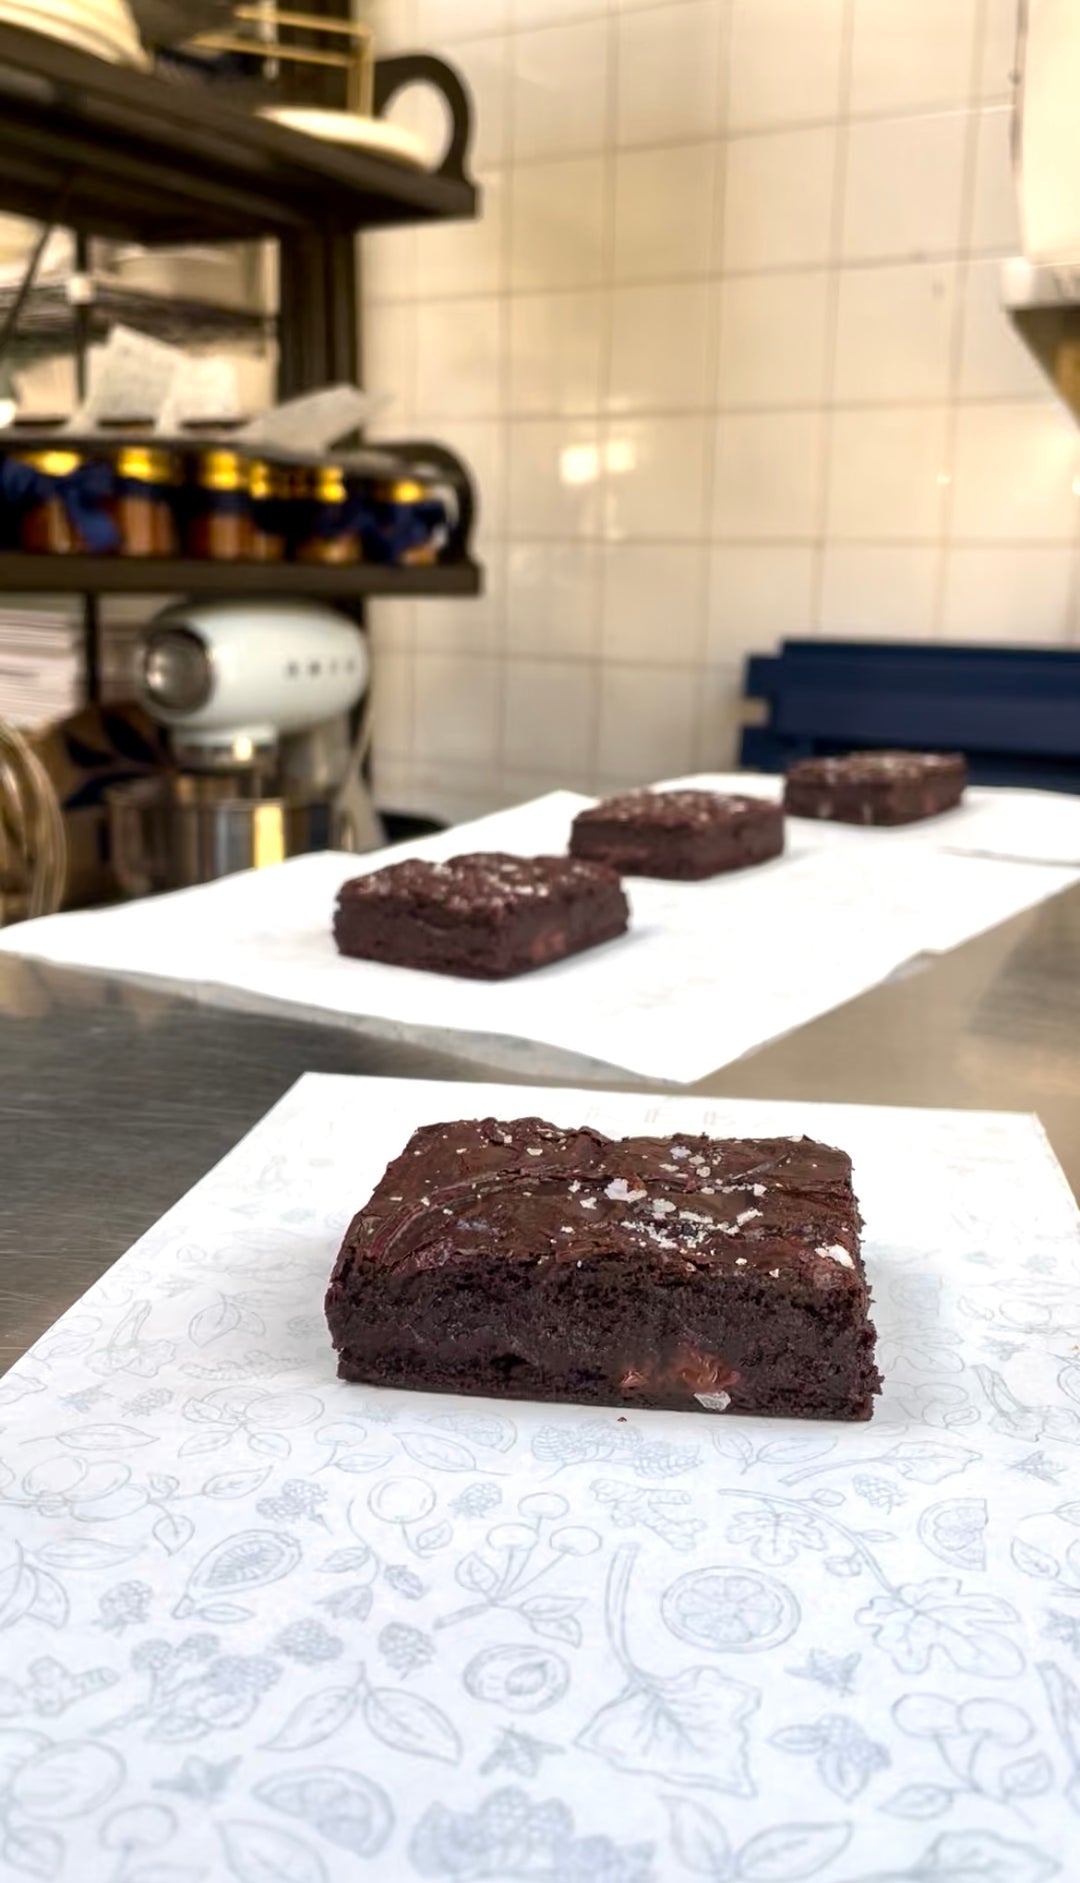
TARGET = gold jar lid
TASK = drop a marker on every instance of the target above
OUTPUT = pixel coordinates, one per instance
(221, 470)
(145, 465)
(51, 463)
(266, 480)
(330, 483)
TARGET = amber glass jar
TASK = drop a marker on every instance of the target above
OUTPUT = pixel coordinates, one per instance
(410, 522)
(144, 501)
(271, 493)
(46, 527)
(330, 532)
(219, 525)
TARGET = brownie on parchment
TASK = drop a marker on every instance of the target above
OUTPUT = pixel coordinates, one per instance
(522, 1260)
(876, 787)
(485, 915)
(685, 835)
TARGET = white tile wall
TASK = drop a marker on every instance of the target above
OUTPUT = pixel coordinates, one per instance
(727, 359)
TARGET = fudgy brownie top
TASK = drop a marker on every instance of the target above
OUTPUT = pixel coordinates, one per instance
(877, 768)
(674, 810)
(529, 1192)
(487, 885)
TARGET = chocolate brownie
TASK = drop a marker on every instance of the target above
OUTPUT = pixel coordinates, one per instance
(876, 787)
(486, 915)
(681, 834)
(525, 1261)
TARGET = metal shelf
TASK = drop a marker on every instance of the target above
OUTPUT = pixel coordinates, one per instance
(110, 151)
(105, 575)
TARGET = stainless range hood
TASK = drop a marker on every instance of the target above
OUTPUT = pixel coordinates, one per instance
(1044, 306)
(1041, 291)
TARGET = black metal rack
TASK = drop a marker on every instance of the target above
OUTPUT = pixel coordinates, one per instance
(113, 152)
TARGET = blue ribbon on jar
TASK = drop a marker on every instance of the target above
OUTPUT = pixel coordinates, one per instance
(394, 530)
(84, 493)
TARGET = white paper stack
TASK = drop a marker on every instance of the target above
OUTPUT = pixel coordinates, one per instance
(41, 660)
(262, 1626)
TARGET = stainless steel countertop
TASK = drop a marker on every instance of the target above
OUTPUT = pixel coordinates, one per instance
(114, 1099)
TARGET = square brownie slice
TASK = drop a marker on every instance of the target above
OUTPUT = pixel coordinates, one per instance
(485, 915)
(685, 835)
(876, 787)
(523, 1260)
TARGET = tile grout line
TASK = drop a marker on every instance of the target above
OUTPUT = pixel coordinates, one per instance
(702, 728)
(961, 276)
(605, 368)
(832, 321)
(506, 249)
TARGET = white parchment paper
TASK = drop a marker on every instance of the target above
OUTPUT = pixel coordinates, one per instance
(708, 971)
(260, 1625)
(1015, 825)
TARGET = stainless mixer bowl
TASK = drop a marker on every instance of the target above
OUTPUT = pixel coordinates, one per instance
(176, 831)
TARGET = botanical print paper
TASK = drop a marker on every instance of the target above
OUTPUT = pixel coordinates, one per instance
(708, 971)
(261, 1626)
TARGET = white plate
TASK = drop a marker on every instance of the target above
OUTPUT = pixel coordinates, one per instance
(347, 127)
(112, 38)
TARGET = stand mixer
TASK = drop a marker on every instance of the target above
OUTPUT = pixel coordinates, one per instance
(257, 699)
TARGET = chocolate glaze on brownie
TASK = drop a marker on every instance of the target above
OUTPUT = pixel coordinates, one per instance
(876, 787)
(519, 1259)
(485, 915)
(685, 835)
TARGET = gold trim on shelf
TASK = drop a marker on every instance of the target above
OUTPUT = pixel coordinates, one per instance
(356, 62)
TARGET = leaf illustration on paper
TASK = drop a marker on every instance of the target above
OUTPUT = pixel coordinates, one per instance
(344, 1807)
(776, 1534)
(261, 1853)
(919, 1801)
(34, 1851)
(49, 1602)
(83, 1553)
(699, 1839)
(476, 1575)
(1069, 1513)
(437, 1454)
(211, 1440)
(925, 1462)
(791, 1451)
(66, 1780)
(972, 1857)
(1034, 1561)
(489, 1430)
(172, 1532)
(733, 1445)
(688, 1728)
(1027, 1778)
(790, 1852)
(554, 1617)
(221, 1317)
(410, 1724)
(955, 1531)
(236, 1483)
(435, 1537)
(105, 1438)
(347, 1562)
(1063, 1696)
(924, 1619)
(316, 1718)
(240, 1563)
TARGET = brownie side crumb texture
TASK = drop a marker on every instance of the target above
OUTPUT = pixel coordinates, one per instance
(684, 835)
(484, 915)
(876, 787)
(523, 1260)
